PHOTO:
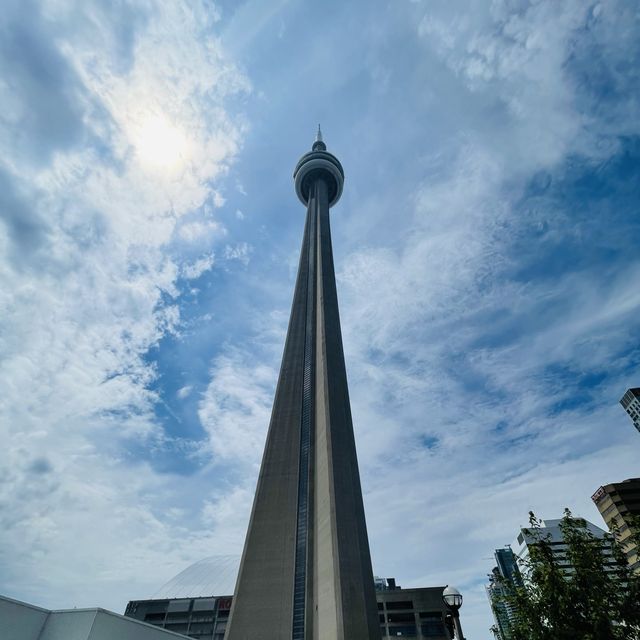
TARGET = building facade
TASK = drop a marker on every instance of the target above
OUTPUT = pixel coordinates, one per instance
(551, 531)
(495, 592)
(306, 570)
(413, 613)
(202, 618)
(630, 402)
(618, 503)
(401, 613)
(504, 574)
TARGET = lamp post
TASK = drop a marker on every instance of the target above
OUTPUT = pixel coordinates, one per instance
(453, 599)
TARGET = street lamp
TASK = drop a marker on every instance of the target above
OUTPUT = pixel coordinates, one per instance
(453, 599)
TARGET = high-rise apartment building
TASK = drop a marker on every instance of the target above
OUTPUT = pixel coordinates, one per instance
(507, 565)
(630, 402)
(306, 568)
(618, 503)
(552, 532)
(496, 590)
(503, 575)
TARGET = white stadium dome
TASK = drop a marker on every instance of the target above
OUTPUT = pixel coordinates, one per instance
(213, 576)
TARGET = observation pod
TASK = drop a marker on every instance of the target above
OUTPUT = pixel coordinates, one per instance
(318, 164)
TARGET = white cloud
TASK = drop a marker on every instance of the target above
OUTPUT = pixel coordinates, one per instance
(446, 340)
(197, 268)
(236, 406)
(87, 290)
(518, 58)
(185, 391)
(200, 230)
(240, 252)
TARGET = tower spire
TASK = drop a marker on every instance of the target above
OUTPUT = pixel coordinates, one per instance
(318, 143)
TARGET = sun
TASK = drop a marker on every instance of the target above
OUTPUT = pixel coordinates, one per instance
(159, 144)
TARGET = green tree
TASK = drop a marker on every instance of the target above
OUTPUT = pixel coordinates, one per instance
(581, 590)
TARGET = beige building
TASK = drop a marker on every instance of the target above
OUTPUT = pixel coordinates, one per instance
(630, 402)
(617, 503)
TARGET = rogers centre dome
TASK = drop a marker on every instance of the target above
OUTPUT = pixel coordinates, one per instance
(213, 576)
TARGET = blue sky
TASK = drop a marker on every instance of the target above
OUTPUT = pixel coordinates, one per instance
(486, 252)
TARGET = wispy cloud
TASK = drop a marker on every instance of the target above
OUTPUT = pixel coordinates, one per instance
(497, 324)
(116, 126)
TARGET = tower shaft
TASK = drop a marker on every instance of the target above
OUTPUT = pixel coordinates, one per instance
(306, 569)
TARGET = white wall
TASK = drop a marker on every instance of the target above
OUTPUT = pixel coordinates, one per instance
(19, 621)
(109, 626)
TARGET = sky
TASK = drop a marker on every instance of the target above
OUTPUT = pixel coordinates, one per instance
(487, 263)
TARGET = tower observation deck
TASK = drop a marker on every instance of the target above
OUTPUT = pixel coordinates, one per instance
(306, 571)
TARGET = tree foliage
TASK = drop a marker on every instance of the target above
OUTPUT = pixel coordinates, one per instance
(581, 590)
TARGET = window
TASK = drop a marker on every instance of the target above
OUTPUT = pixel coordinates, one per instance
(179, 605)
(155, 607)
(433, 629)
(405, 631)
(400, 617)
(221, 627)
(609, 510)
(154, 617)
(400, 604)
(204, 604)
(201, 629)
(431, 624)
(205, 616)
(178, 616)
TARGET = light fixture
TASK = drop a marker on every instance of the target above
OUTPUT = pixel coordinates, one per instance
(452, 597)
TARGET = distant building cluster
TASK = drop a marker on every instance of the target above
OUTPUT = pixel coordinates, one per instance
(418, 613)
(406, 613)
(506, 572)
(618, 504)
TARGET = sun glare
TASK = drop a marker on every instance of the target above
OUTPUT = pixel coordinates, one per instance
(159, 144)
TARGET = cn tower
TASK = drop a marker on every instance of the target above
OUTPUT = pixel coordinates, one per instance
(306, 571)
